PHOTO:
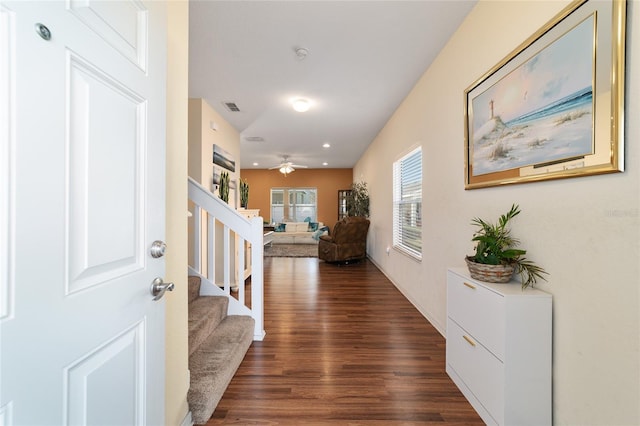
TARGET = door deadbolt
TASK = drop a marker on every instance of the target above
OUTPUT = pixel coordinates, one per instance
(158, 248)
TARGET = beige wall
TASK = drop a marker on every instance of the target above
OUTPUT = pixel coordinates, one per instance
(327, 181)
(584, 231)
(177, 364)
(201, 141)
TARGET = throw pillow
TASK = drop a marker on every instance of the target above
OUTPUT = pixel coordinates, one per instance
(279, 227)
(313, 226)
(324, 230)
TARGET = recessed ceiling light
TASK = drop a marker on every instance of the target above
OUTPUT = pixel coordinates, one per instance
(325, 164)
(326, 145)
(255, 164)
(301, 105)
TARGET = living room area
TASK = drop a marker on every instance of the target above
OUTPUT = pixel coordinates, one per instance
(308, 200)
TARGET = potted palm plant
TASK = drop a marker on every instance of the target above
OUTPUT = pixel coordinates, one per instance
(496, 257)
(244, 193)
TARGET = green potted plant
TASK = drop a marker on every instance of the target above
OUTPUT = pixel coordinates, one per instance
(358, 200)
(244, 193)
(223, 189)
(496, 257)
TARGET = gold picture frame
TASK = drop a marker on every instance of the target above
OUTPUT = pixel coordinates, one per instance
(554, 107)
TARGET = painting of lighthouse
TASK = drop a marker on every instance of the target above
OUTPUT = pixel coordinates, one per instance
(539, 113)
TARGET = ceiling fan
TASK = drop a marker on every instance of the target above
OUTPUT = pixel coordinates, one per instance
(286, 166)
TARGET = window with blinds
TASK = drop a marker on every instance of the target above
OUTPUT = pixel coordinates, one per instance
(407, 204)
(293, 204)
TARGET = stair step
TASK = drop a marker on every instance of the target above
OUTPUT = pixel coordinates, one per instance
(215, 361)
(194, 287)
(205, 315)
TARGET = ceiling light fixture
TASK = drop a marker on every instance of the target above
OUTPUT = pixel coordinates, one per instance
(325, 164)
(286, 169)
(326, 145)
(255, 164)
(301, 105)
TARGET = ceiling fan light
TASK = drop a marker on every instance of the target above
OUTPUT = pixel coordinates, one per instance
(285, 170)
(301, 105)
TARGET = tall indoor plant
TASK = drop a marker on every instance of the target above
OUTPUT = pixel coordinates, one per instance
(223, 189)
(244, 193)
(496, 257)
(358, 200)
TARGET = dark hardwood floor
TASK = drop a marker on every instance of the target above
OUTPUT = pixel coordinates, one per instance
(343, 346)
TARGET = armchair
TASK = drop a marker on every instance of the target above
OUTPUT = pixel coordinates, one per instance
(347, 241)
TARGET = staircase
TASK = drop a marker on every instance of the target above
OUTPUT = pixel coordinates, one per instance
(217, 345)
(222, 324)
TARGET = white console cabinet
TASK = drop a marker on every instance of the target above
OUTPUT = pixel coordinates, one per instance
(499, 341)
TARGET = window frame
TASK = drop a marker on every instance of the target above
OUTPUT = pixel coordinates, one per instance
(402, 197)
(291, 208)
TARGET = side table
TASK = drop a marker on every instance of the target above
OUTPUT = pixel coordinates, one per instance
(267, 238)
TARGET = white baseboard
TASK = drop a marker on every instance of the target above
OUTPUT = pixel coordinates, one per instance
(188, 420)
(428, 317)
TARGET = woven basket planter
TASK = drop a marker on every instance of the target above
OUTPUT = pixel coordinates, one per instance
(490, 273)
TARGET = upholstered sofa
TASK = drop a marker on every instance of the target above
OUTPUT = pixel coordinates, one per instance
(296, 233)
(346, 242)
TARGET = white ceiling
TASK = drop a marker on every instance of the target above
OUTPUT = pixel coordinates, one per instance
(364, 58)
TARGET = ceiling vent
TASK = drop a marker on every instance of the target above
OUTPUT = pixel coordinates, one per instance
(254, 139)
(231, 106)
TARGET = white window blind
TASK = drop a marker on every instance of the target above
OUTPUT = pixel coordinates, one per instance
(407, 203)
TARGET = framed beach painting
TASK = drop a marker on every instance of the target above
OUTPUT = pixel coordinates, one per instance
(223, 158)
(554, 107)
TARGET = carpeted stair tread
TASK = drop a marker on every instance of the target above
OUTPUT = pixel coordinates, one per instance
(194, 287)
(214, 363)
(205, 314)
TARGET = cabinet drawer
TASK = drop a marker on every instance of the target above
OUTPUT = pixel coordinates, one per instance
(481, 371)
(479, 310)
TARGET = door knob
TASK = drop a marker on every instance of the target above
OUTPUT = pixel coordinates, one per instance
(158, 287)
(158, 248)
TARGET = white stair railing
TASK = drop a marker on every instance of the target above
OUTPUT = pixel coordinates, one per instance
(218, 258)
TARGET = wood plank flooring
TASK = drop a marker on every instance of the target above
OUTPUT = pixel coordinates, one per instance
(343, 346)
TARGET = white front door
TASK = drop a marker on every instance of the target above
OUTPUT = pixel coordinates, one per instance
(82, 119)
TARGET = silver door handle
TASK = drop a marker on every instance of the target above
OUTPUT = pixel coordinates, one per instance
(158, 287)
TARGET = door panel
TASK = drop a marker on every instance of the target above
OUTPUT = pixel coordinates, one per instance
(93, 375)
(106, 177)
(123, 25)
(82, 340)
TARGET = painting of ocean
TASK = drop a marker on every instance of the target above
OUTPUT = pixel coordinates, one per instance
(539, 113)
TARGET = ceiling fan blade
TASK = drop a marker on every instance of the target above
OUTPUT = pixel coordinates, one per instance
(286, 163)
